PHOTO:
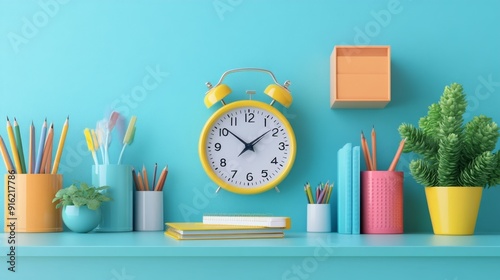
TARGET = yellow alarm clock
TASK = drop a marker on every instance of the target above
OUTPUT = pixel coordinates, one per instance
(247, 146)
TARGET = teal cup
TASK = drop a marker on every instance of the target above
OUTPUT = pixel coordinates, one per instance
(117, 214)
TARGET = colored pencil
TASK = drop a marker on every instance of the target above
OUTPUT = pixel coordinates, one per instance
(163, 178)
(46, 148)
(49, 157)
(307, 197)
(329, 193)
(19, 145)
(60, 146)
(398, 154)
(141, 183)
(145, 178)
(5, 155)
(31, 153)
(41, 143)
(13, 147)
(374, 149)
(322, 197)
(154, 176)
(309, 193)
(366, 152)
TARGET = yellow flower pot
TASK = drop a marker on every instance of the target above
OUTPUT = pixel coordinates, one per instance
(453, 210)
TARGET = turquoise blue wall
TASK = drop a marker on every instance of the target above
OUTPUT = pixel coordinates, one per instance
(85, 58)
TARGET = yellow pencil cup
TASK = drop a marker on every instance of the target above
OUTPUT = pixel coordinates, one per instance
(28, 203)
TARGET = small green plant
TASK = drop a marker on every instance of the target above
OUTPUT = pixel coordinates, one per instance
(451, 153)
(80, 196)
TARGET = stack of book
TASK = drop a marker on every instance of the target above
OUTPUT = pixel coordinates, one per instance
(230, 227)
(348, 188)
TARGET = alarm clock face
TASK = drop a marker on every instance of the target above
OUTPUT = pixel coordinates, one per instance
(247, 147)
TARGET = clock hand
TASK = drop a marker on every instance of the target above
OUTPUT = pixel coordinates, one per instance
(241, 140)
(259, 138)
(251, 144)
(248, 146)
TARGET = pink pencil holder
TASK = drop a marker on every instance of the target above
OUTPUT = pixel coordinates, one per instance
(381, 202)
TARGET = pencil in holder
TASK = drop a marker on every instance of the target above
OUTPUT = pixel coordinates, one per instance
(381, 202)
(148, 211)
(117, 214)
(28, 203)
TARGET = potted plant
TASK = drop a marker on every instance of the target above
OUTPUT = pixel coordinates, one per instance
(81, 206)
(456, 161)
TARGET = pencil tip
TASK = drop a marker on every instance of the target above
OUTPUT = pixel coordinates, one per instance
(7, 118)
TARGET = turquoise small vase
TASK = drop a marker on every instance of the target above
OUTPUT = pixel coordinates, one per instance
(81, 219)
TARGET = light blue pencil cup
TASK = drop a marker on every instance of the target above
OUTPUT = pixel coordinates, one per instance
(117, 214)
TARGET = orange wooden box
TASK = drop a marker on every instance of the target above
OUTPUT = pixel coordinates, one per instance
(360, 76)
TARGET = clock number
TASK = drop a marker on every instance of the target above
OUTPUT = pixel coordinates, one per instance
(281, 146)
(234, 172)
(234, 121)
(275, 132)
(217, 146)
(275, 161)
(249, 117)
(249, 176)
(223, 162)
(264, 173)
(223, 132)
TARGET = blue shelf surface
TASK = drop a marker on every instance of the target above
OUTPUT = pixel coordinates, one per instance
(149, 255)
(68, 244)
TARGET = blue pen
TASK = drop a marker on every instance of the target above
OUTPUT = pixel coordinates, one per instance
(40, 148)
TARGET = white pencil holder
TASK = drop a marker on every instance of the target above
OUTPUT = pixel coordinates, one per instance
(319, 218)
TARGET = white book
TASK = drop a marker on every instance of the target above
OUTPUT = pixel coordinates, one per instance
(263, 221)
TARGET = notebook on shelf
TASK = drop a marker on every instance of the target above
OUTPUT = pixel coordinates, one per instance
(187, 231)
(344, 189)
(247, 220)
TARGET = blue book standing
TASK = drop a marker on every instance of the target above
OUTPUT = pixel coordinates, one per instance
(356, 207)
(344, 189)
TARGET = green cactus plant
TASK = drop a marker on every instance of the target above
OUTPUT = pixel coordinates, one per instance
(453, 153)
